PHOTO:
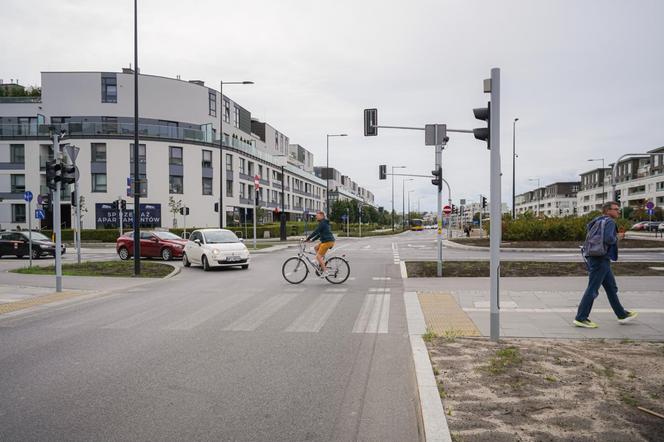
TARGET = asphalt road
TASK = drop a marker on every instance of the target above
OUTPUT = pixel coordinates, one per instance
(221, 355)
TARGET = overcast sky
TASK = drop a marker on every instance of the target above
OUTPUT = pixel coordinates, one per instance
(585, 78)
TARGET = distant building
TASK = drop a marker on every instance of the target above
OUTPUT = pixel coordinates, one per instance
(556, 199)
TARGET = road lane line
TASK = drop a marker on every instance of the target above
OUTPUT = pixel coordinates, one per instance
(384, 320)
(381, 278)
(255, 318)
(317, 314)
(336, 290)
(363, 317)
(208, 312)
(379, 289)
(374, 315)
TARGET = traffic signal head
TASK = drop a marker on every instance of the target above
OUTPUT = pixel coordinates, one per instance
(484, 202)
(216, 207)
(68, 174)
(382, 172)
(114, 205)
(123, 205)
(483, 133)
(370, 122)
(53, 173)
(437, 178)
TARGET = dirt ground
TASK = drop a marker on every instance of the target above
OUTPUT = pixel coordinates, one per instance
(624, 244)
(550, 390)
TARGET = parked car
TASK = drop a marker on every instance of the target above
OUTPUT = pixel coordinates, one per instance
(154, 243)
(215, 248)
(660, 227)
(640, 226)
(17, 243)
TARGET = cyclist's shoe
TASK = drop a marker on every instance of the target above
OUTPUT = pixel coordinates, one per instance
(324, 274)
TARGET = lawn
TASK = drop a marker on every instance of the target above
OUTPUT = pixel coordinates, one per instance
(102, 268)
(623, 244)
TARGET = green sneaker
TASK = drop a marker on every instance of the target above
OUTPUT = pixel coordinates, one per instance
(587, 323)
(630, 315)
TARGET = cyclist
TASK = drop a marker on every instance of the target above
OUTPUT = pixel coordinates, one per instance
(323, 232)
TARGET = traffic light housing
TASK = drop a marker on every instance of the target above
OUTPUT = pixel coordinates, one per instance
(216, 207)
(382, 172)
(370, 122)
(53, 173)
(68, 174)
(483, 133)
(483, 202)
(184, 210)
(437, 178)
(73, 199)
(114, 205)
(123, 205)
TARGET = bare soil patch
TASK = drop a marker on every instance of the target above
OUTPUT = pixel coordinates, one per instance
(550, 390)
(624, 244)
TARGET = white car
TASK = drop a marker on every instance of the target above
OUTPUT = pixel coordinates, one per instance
(215, 248)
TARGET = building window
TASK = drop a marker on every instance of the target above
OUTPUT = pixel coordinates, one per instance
(207, 186)
(207, 159)
(236, 120)
(175, 184)
(250, 168)
(99, 182)
(17, 153)
(18, 213)
(229, 188)
(109, 88)
(229, 161)
(227, 111)
(141, 153)
(175, 155)
(260, 170)
(98, 154)
(212, 103)
(242, 166)
(18, 183)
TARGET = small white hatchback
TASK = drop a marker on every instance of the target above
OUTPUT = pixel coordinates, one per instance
(215, 248)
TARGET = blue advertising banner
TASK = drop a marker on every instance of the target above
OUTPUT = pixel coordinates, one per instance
(106, 217)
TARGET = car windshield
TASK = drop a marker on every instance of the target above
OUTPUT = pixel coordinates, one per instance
(166, 235)
(36, 236)
(219, 237)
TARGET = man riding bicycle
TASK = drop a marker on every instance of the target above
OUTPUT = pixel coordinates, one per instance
(323, 232)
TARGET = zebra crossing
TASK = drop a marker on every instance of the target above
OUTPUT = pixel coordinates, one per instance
(373, 316)
(395, 253)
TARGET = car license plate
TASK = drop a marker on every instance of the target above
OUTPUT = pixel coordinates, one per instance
(232, 258)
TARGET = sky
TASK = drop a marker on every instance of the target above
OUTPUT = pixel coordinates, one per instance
(585, 78)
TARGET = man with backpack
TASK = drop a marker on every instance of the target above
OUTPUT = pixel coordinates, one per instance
(599, 249)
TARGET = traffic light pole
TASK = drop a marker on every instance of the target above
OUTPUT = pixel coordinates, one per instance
(57, 227)
(494, 205)
(78, 222)
(439, 201)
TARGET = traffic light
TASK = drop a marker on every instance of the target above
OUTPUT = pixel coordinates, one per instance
(483, 133)
(454, 209)
(73, 199)
(483, 202)
(114, 205)
(53, 173)
(184, 210)
(438, 178)
(68, 174)
(382, 172)
(216, 207)
(123, 205)
(370, 122)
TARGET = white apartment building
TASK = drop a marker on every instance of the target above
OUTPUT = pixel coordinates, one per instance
(342, 187)
(179, 152)
(595, 190)
(556, 199)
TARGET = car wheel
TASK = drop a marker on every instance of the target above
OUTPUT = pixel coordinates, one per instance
(185, 260)
(36, 253)
(123, 253)
(245, 267)
(166, 254)
(206, 265)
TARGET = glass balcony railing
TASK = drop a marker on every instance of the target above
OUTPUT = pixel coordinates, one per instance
(105, 128)
(36, 99)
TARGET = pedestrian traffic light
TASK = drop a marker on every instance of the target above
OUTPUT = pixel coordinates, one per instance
(123, 205)
(483, 202)
(438, 178)
(68, 174)
(53, 173)
(382, 172)
(184, 210)
(370, 122)
(216, 207)
(483, 133)
(114, 205)
(454, 208)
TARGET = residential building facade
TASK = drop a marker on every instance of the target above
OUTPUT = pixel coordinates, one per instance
(555, 200)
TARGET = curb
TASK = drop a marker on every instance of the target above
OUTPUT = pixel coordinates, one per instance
(176, 271)
(431, 406)
(454, 245)
(404, 270)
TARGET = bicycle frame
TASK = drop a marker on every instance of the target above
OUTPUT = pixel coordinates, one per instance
(305, 254)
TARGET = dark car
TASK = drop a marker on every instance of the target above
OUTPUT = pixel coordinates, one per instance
(153, 244)
(18, 244)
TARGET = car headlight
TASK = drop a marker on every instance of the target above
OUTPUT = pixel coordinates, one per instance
(215, 251)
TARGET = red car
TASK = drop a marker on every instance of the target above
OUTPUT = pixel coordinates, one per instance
(153, 244)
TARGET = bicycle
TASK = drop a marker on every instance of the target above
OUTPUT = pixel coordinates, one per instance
(296, 269)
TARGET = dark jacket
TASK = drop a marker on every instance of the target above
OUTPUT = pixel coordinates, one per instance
(322, 232)
(610, 236)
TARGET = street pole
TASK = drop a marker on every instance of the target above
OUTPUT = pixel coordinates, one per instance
(78, 222)
(137, 170)
(360, 221)
(439, 202)
(57, 228)
(348, 222)
(514, 168)
(255, 206)
(222, 108)
(327, 176)
(282, 215)
(30, 230)
(495, 205)
(121, 213)
(481, 213)
(184, 221)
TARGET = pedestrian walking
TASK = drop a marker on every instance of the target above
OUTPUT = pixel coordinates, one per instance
(599, 249)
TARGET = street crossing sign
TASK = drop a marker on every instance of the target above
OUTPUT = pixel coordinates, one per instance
(650, 205)
(40, 214)
(257, 181)
(27, 195)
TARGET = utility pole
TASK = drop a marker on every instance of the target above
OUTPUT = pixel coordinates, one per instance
(514, 168)
(57, 226)
(137, 170)
(495, 204)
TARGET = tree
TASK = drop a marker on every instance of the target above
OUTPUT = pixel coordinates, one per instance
(174, 207)
(81, 206)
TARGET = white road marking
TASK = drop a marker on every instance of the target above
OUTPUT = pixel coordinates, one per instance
(336, 290)
(503, 304)
(255, 318)
(381, 278)
(559, 310)
(208, 312)
(404, 271)
(315, 316)
(379, 289)
(374, 314)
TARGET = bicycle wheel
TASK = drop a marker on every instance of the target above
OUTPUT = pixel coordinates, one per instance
(338, 269)
(294, 270)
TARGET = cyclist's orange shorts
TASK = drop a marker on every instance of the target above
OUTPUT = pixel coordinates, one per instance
(324, 247)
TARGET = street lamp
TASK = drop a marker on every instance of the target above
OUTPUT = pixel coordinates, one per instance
(222, 211)
(327, 174)
(409, 192)
(394, 167)
(514, 168)
(538, 193)
(603, 177)
(403, 202)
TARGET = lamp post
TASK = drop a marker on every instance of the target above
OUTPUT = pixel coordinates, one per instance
(403, 203)
(603, 177)
(514, 168)
(394, 167)
(222, 211)
(327, 173)
(538, 193)
(409, 192)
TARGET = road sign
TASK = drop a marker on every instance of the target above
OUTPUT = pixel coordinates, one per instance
(344, 217)
(650, 205)
(651, 212)
(447, 210)
(40, 214)
(27, 195)
(40, 199)
(72, 152)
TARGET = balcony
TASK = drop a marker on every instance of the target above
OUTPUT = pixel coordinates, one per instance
(11, 100)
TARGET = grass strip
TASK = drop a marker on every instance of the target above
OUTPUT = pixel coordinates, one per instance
(102, 268)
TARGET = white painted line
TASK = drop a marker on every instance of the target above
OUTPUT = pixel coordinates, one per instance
(374, 315)
(363, 317)
(336, 290)
(560, 310)
(431, 406)
(384, 320)
(404, 271)
(503, 304)
(381, 278)
(379, 289)
(208, 312)
(252, 320)
(315, 316)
